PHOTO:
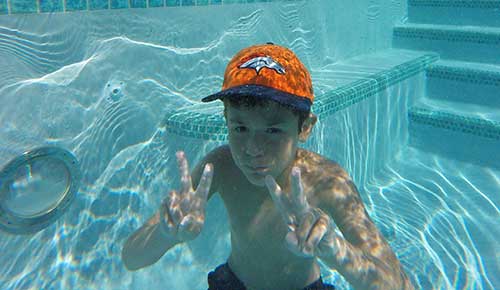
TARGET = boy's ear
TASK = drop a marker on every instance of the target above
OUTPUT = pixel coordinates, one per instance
(307, 127)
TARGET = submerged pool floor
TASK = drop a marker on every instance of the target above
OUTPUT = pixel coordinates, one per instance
(441, 218)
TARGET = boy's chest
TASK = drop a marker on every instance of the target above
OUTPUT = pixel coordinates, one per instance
(257, 234)
(256, 223)
(259, 256)
(251, 214)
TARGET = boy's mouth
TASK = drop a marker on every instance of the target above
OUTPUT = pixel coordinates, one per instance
(258, 168)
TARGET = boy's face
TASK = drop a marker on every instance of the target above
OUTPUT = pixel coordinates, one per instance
(264, 136)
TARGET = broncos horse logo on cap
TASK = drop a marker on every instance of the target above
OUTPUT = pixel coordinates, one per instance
(260, 62)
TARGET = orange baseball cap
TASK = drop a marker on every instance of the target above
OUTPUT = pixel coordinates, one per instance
(267, 71)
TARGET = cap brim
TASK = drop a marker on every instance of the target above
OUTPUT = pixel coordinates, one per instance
(262, 92)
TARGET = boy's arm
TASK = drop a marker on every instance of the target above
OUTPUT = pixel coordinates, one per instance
(150, 242)
(146, 245)
(364, 257)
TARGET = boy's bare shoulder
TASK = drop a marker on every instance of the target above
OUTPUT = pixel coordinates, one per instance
(327, 183)
(319, 169)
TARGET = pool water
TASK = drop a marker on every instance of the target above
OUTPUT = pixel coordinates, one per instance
(121, 90)
(447, 225)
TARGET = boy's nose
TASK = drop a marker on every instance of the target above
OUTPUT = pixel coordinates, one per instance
(253, 150)
(254, 146)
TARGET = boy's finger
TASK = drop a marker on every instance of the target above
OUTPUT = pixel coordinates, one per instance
(276, 194)
(190, 227)
(298, 198)
(317, 233)
(274, 190)
(173, 208)
(205, 182)
(186, 184)
(292, 244)
(176, 214)
(304, 228)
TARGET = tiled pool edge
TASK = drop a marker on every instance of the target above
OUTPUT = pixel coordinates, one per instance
(450, 34)
(212, 127)
(13, 7)
(484, 4)
(479, 127)
(357, 91)
(463, 74)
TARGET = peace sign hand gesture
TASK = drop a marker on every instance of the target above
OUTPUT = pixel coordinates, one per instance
(311, 231)
(182, 213)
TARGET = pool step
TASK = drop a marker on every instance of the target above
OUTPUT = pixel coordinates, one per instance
(464, 82)
(455, 12)
(465, 43)
(459, 131)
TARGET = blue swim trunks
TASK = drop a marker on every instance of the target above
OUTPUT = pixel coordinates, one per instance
(222, 278)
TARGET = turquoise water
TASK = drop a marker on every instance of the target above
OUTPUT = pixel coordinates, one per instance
(121, 89)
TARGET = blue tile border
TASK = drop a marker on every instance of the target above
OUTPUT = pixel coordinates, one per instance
(75, 5)
(98, 4)
(156, 3)
(485, 4)
(138, 4)
(475, 126)
(452, 35)
(31, 6)
(355, 92)
(463, 74)
(119, 4)
(212, 127)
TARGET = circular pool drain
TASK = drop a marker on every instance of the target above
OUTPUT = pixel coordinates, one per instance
(36, 188)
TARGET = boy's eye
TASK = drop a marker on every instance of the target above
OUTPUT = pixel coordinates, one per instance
(237, 129)
(274, 130)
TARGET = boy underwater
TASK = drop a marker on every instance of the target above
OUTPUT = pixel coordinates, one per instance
(287, 207)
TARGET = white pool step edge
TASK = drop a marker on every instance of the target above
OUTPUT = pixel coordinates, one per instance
(474, 83)
(456, 116)
(463, 132)
(465, 43)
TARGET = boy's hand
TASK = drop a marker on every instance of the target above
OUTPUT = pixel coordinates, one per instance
(182, 214)
(311, 231)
